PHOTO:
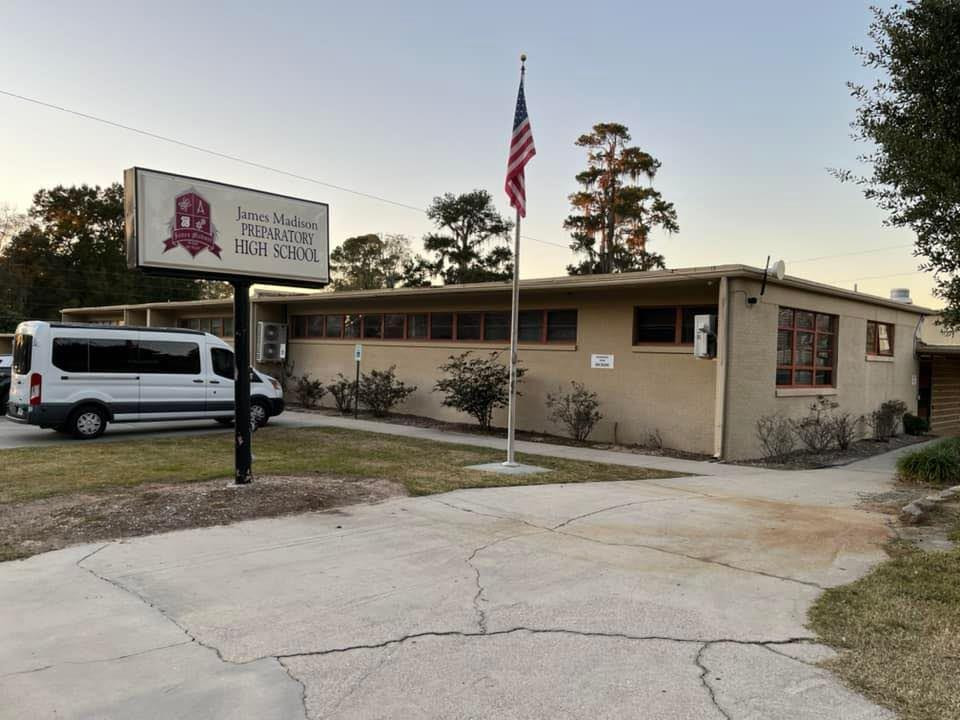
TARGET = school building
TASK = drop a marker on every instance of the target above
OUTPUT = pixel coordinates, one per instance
(629, 338)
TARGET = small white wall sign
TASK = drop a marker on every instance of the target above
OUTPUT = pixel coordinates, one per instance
(602, 362)
(358, 352)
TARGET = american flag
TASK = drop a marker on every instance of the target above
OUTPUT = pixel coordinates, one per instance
(521, 150)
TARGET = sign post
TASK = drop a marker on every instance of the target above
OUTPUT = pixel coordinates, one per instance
(182, 226)
(357, 357)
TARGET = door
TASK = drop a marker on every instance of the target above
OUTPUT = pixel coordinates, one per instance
(220, 383)
(172, 384)
(91, 365)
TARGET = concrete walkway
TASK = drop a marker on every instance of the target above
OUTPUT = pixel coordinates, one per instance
(668, 599)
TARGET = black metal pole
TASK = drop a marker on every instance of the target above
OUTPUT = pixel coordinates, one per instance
(356, 393)
(243, 459)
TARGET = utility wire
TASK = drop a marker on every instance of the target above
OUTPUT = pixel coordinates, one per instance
(233, 158)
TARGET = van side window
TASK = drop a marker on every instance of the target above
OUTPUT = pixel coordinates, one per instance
(164, 356)
(222, 362)
(94, 355)
(71, 354)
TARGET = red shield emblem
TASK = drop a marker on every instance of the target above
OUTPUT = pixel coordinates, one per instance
(192, 228)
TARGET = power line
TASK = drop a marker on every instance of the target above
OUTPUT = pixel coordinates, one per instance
(233, 158)
(851, 254)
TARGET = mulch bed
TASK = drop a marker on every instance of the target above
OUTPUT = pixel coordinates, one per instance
(860, 450)
(40, 525)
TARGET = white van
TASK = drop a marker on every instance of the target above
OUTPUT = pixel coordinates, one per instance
(75, 377)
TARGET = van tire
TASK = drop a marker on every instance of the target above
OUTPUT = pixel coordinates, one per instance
(87, 422)
(259, 413)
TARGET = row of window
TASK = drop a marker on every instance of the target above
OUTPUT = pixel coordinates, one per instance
(534, 326)
(667, 325)
(126, 356)
(219, 326)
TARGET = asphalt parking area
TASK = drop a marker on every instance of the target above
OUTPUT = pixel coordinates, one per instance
(680, 598)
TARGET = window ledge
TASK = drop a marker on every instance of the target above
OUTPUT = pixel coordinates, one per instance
(664, 349)
(879, 358)
(805, 391)
(437, 344)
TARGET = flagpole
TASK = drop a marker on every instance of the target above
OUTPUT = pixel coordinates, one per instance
(514, 322)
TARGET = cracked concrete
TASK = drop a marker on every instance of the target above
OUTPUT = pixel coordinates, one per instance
(683, 598)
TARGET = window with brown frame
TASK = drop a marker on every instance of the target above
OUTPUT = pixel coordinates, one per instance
(806, 348)
(671, 325)
(219, 326)
(535, 326)
(879, 338)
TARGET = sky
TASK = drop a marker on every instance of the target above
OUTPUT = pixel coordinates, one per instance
(744, 103)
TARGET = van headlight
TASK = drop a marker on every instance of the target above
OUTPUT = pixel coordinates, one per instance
(276, 385)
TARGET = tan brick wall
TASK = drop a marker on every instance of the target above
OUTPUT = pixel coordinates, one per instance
(861, 383)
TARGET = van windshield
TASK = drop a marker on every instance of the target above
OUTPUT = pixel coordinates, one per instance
(22, 350)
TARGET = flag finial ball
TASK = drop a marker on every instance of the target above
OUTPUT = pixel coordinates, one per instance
(523, 57)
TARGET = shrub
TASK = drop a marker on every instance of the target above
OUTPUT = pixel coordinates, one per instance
(343, 391)
(476, 385)
(843, 428)
(913, 425)
(936, 464)
(886, 421)
(577, 409)
(308, 391)
(815, 430)
(776, 436)
(380, 390)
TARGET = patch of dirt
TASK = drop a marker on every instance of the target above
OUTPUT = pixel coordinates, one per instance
(860, 450)
(37, 526)
(934, 535)
(539, 437)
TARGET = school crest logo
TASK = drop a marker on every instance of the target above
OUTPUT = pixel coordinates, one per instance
(192, 228)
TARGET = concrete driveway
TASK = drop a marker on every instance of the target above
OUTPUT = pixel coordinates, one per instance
(681, 598)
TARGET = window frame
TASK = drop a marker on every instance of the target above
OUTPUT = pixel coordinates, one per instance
(875, 351)
(678, 340)
(795, 330)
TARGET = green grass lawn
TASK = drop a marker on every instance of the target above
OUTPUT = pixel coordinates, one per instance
(898, 633)
(422, 466)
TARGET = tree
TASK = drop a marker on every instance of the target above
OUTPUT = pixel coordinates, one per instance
(614, 207)
(469, 224)
(369, 262)
(910, 118)
(69, 251)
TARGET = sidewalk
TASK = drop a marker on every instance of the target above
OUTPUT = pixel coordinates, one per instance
(657, 462)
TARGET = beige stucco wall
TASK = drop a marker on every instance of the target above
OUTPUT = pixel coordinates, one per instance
(649, 389)
(862, 383)
(933, 334)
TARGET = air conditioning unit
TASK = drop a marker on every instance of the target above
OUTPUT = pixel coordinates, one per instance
(705, 336)
(271, 342)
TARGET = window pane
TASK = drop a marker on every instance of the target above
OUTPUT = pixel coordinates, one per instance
(222, 362)
(561, 325)
(783, 377)
(529, 326)
(228, 327)
(351, 326)
(393, 327)
(825, 323)
(315, 326)
(496, 326)
(468, 326)
(70, 354)
(372, 326)
(805, 320)
(161, 356)
(785, 318)
(824, 350)
(114, 356)
(299, 326)
(656, 325)
(824, 377)
(205, 324)
(884, 346)
(334, 326)
(804, 349)
(417, 326)
(688, 315)
(216, 326)
(784, 347)
(871, 336)
(803, 377)
(441, 326)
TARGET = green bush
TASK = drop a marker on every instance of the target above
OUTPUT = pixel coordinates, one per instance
(913, 425)
(380, 390)
(476, 385)
(936, 464)
(343, 391)
(578, 410)
(308, 391)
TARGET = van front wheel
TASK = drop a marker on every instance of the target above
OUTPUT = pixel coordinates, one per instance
(87, 423)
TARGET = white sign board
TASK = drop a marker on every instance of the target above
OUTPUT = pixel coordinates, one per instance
(180, 225)
(603, 362)
(358, 352)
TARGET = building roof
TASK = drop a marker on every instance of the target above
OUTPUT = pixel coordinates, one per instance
(172, 304)
(605, 281)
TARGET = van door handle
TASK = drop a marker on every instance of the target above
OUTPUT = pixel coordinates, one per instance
(198, 380)
(214, 382)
